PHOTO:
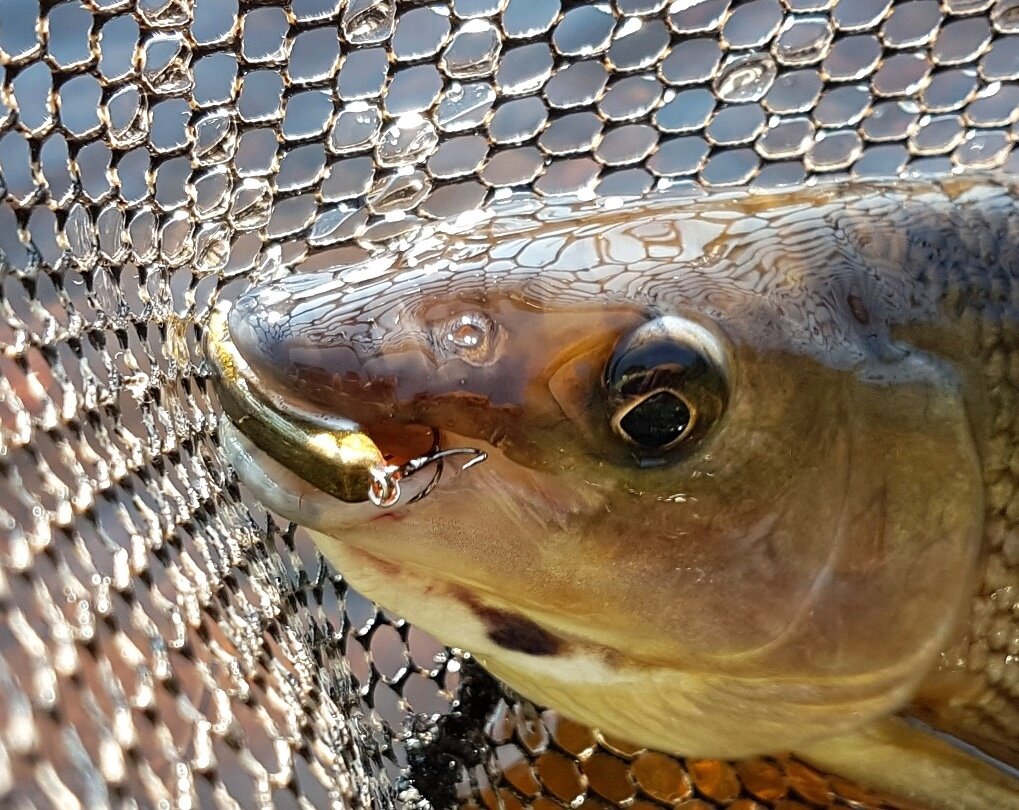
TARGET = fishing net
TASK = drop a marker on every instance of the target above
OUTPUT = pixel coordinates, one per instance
(164, 642)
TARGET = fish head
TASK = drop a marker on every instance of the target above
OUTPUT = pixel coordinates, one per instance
(522, 374)
(734, 469)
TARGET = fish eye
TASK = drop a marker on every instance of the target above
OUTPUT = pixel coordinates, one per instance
(469, 336)
(665, 384)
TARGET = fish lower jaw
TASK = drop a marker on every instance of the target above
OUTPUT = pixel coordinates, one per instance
(691, 713)
(687, 713)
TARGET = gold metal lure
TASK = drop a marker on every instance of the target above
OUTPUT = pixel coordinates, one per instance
(329, 452)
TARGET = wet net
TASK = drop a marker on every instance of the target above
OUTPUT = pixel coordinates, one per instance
(164, 642)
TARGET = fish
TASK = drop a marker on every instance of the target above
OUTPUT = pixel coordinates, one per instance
(749, 463)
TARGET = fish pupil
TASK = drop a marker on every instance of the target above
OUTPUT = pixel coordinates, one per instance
(657, 421)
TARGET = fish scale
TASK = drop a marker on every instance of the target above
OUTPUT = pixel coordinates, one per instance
(986, 304)
(993, 645)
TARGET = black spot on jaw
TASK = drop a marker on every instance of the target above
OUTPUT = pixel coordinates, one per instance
(512, 631)
(518, 633)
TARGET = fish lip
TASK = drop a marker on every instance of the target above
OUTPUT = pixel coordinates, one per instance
(332, 453)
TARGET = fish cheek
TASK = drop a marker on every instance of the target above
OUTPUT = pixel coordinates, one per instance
(828, 504)
(898, 505)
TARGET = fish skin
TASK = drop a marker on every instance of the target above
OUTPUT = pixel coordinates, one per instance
(898, 302)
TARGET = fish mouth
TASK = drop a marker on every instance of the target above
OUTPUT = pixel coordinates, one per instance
(344, 459)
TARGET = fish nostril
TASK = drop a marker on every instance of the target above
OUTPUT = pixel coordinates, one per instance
(470, 336)
(656, 421)
(467, 335)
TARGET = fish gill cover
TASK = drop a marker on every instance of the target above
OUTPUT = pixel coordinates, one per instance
(163, 640)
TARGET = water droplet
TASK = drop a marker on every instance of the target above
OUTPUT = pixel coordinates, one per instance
(834, 151)
(745, 78)
(128, 113)
(215, 138)
(110, 225)
(79, 230)
(464, 106)
(367, 21)
(251, 205)
(212, 249)
(982, 150)
(803, 40)
(355, 128)
(530, 729)
(585, 30)
(176, 239)
(338, 224)
(410, 140)
(398, 192)
(176, 346)
(473, 51)
(166, 64)
(966, 6)
(165, 13)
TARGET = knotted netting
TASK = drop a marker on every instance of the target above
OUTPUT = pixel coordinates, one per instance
(165, 642)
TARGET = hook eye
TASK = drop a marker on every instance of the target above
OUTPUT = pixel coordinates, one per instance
(384, 490)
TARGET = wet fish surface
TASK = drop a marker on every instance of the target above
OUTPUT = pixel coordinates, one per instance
(751, 475)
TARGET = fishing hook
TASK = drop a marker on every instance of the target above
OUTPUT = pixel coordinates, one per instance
(384, 490)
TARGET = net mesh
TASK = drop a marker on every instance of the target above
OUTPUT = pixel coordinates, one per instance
(164, 642)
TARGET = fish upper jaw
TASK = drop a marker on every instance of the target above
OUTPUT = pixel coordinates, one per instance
(292, 348)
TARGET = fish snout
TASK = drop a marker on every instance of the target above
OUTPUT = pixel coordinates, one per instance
(306, 350)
